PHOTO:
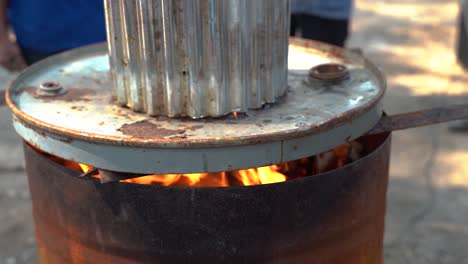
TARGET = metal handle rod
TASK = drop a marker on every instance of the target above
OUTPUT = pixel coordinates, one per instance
(420, 118)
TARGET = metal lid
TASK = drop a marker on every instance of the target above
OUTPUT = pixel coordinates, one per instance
(82, 123)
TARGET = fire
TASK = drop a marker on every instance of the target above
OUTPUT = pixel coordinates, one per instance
(84, 167)
(235, 115)
(248, 177)
(194, 179)
(262, 175)
(326, 161)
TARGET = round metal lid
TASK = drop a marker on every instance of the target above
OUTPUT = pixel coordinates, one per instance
(63, 105)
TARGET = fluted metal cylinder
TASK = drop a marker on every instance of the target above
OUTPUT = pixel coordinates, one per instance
(197, 58)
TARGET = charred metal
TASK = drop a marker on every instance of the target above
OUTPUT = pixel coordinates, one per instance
(334, 217)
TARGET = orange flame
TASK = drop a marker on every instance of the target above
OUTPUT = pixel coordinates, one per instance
(248, 177)
(235, 115)
(194, 179)
(262, 175)
(85, 168)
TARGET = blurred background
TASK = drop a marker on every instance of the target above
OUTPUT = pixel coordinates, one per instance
(414, 43)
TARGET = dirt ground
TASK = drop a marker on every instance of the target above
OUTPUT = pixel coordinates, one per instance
(413, 42)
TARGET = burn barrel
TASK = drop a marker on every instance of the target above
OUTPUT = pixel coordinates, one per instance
(334, 217)
(63, 106)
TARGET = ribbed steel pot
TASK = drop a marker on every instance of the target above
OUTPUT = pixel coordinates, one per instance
(335, 217)
(198, 58)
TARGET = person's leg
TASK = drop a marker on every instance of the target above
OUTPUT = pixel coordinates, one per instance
(340, 29)
(462, 41)
(293, 25)
(461, 126)
(331, 31)
(32, 56)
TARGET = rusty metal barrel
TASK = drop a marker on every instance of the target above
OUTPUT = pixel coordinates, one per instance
(198, 58)
(334, 217)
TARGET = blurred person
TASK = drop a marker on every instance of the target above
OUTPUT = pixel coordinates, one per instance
(462, 56)
(46, 27)
(462, 40)
(322, 20)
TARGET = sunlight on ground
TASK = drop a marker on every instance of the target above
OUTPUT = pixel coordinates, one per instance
(455, 169)
(422, 84)
(415, 13)
(428, 35)
(438, 65)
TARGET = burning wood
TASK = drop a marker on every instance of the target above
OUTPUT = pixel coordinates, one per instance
(338, 157)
